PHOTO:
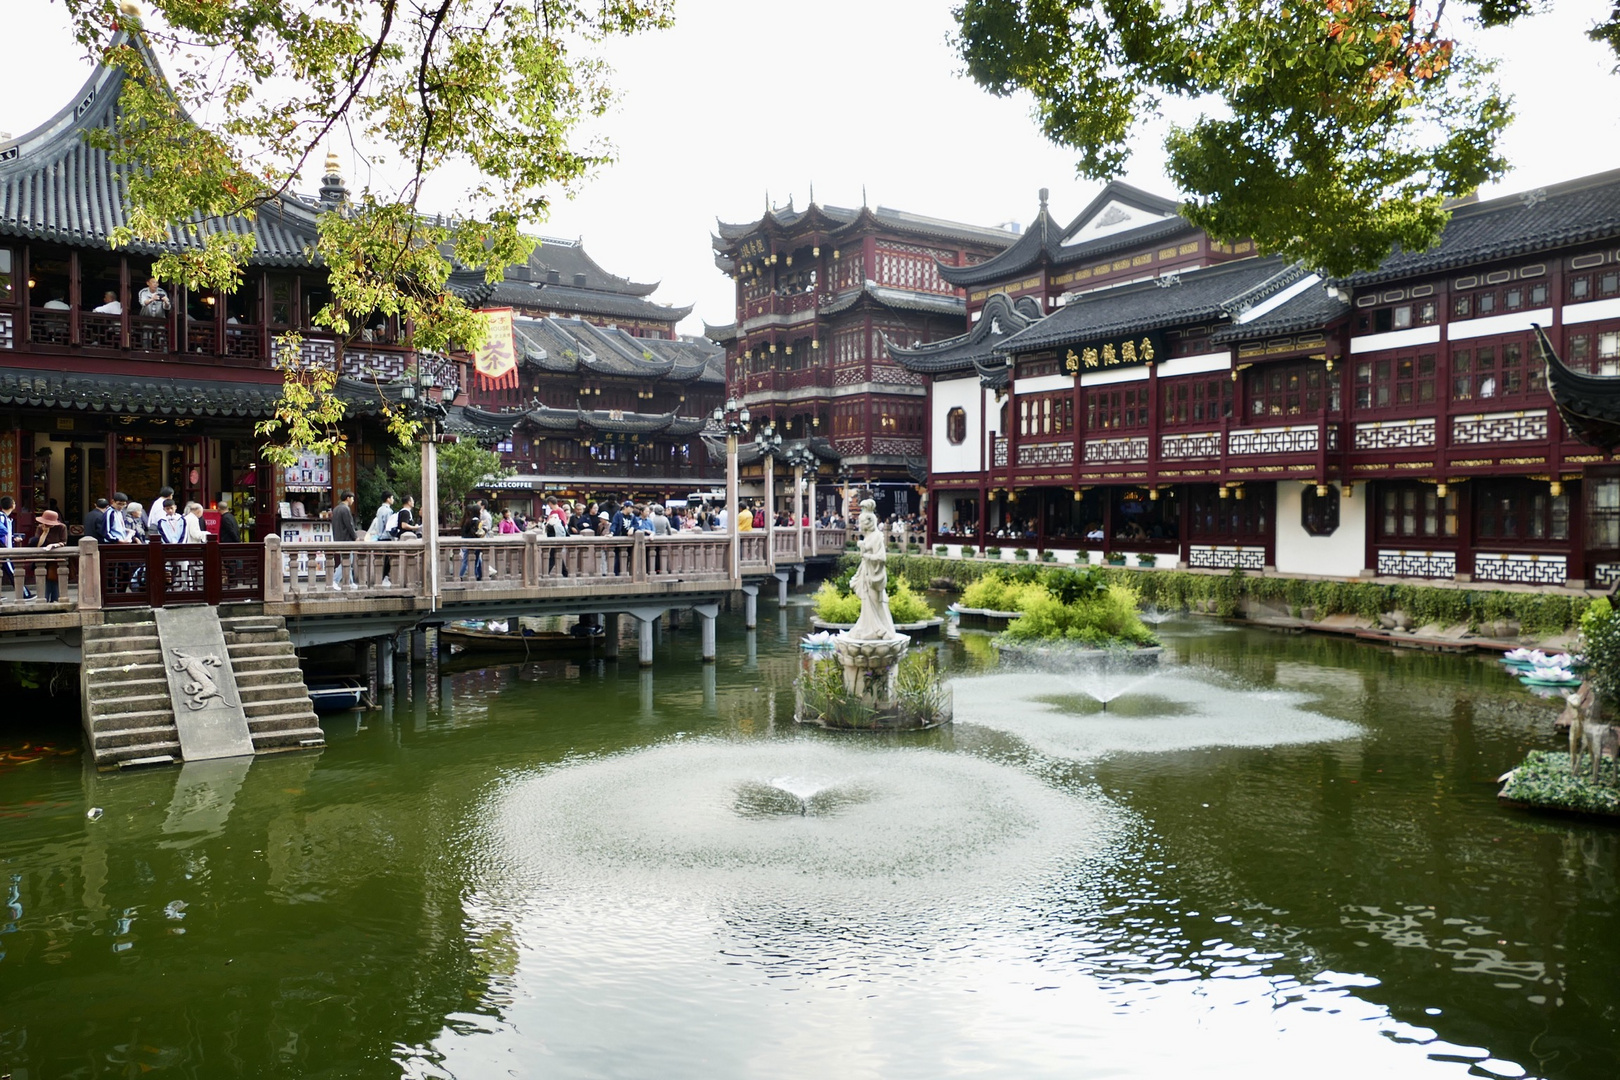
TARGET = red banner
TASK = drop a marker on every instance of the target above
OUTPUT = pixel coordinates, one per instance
(495, 361)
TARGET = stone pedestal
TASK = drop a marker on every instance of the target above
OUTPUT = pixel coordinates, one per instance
(869, 666)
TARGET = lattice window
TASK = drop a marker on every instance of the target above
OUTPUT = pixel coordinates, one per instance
(850, 271)
(1418, 564)
(1520, 510)
(1594, 347)
(1117, 407)
(1521, 569)
(849, 347)
(1296, 390)
(1499, 368)
(1195, 401)
(1395, 382)
(1045, 414)
(1232, 519)
(1206, 557)
(1411, 511)
(909, 271)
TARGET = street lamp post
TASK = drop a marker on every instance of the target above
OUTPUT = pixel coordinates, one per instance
(733, 419)
(799, 459)
(812, 466)
(420, 407)
(769, 444)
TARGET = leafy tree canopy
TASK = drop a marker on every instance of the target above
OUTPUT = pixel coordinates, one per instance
(1334, 130)
(483, 97)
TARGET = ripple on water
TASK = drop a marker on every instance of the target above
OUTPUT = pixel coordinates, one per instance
(789, 816)
(1205, 713)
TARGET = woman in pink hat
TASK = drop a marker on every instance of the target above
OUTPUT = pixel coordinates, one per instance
(50, 534)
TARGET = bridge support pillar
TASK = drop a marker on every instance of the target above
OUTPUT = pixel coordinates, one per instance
(644, 641)
(708, 613)
(610, 635)
(798, 575)
(781, 586)
(750, 606)
(368, 660)
(385, 661)
(419, 646)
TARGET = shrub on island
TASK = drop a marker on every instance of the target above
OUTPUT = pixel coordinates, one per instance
(836, 604)
(1060, 604)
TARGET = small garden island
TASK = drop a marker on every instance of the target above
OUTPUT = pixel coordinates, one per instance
(1586, 780)
(1076, 606)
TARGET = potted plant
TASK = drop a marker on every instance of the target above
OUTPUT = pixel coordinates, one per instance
(992, 553)
(1021, 554)
(1048, 555)
(941, 550)
(1147, 559)
(967, 551)
(1114, 558)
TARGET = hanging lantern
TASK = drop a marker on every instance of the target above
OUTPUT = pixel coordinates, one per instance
(1321, 491)
(1555, 489)
(1440, 489)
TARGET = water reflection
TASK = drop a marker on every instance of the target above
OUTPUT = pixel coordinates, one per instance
(1283, 855)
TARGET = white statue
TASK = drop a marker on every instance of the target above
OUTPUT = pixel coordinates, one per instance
(870, 582)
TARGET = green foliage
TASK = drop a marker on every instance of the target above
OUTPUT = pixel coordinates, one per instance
(822, 694)
(1600, 647)
(922, 696)
(1226, 594)
(1333, 133)
(1021, 554)
(1101, 619)
(463, 467)
(836, 604)
(1545, 780)
(482, 97)
(993, 552)
(941, 550)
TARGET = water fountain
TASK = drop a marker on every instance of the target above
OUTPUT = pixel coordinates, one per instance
(869, 682)
(1102, 674)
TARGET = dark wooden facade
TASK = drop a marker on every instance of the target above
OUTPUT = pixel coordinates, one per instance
(1394, 424)
(822, 294)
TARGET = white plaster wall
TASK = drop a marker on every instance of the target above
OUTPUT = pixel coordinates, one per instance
(992, 418)
(951, 394)
(1340, 555)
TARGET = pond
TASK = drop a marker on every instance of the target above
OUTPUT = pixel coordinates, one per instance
(1275, 855)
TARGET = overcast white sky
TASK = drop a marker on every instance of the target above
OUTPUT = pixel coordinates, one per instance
(748, 96)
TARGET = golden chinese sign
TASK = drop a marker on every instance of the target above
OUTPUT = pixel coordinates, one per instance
(1113, 353)
(496, 359)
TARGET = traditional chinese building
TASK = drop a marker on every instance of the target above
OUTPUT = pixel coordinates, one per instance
(1238, 412)
(562, 280)
(822, 294)
(102, 394)
(596, 412)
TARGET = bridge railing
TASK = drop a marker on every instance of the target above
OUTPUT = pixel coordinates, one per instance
(311, 570)
(751, 550)
(831, 540)
(24, 570)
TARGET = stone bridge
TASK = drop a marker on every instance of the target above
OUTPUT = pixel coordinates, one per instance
(331, 592)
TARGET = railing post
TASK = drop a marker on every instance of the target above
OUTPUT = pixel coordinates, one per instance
(89, 574)
(156, 583)
(531, 559)
(272, 568)
(212, 573)
(638, 558)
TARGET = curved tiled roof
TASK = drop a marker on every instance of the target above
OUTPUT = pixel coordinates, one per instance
(999, 319)
(565, 298)
(898, 299)
(55, 186)
(1127, 309)
(573, 345)
(569, 260)
(566, 421)
(838, 220)
(1569, 213)
(1313, 309)
(176, 396)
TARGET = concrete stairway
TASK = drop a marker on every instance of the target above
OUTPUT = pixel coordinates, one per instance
(280, 714)
(129, 717)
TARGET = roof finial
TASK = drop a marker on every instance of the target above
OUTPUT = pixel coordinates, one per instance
(812, 193)
(333, 193)
(863, 196)
(1044, 194)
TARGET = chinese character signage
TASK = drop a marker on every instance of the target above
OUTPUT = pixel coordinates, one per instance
(1115, 352)
(311, 472)
(495, 360)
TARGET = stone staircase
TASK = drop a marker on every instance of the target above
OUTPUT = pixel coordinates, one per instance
(129, 717)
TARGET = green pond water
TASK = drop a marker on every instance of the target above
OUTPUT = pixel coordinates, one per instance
(1279, 856)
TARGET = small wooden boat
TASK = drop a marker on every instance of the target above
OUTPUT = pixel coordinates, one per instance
(337, 694)
(520, 642)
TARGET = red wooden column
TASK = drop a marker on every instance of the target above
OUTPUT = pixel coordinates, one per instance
(1153, 426)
